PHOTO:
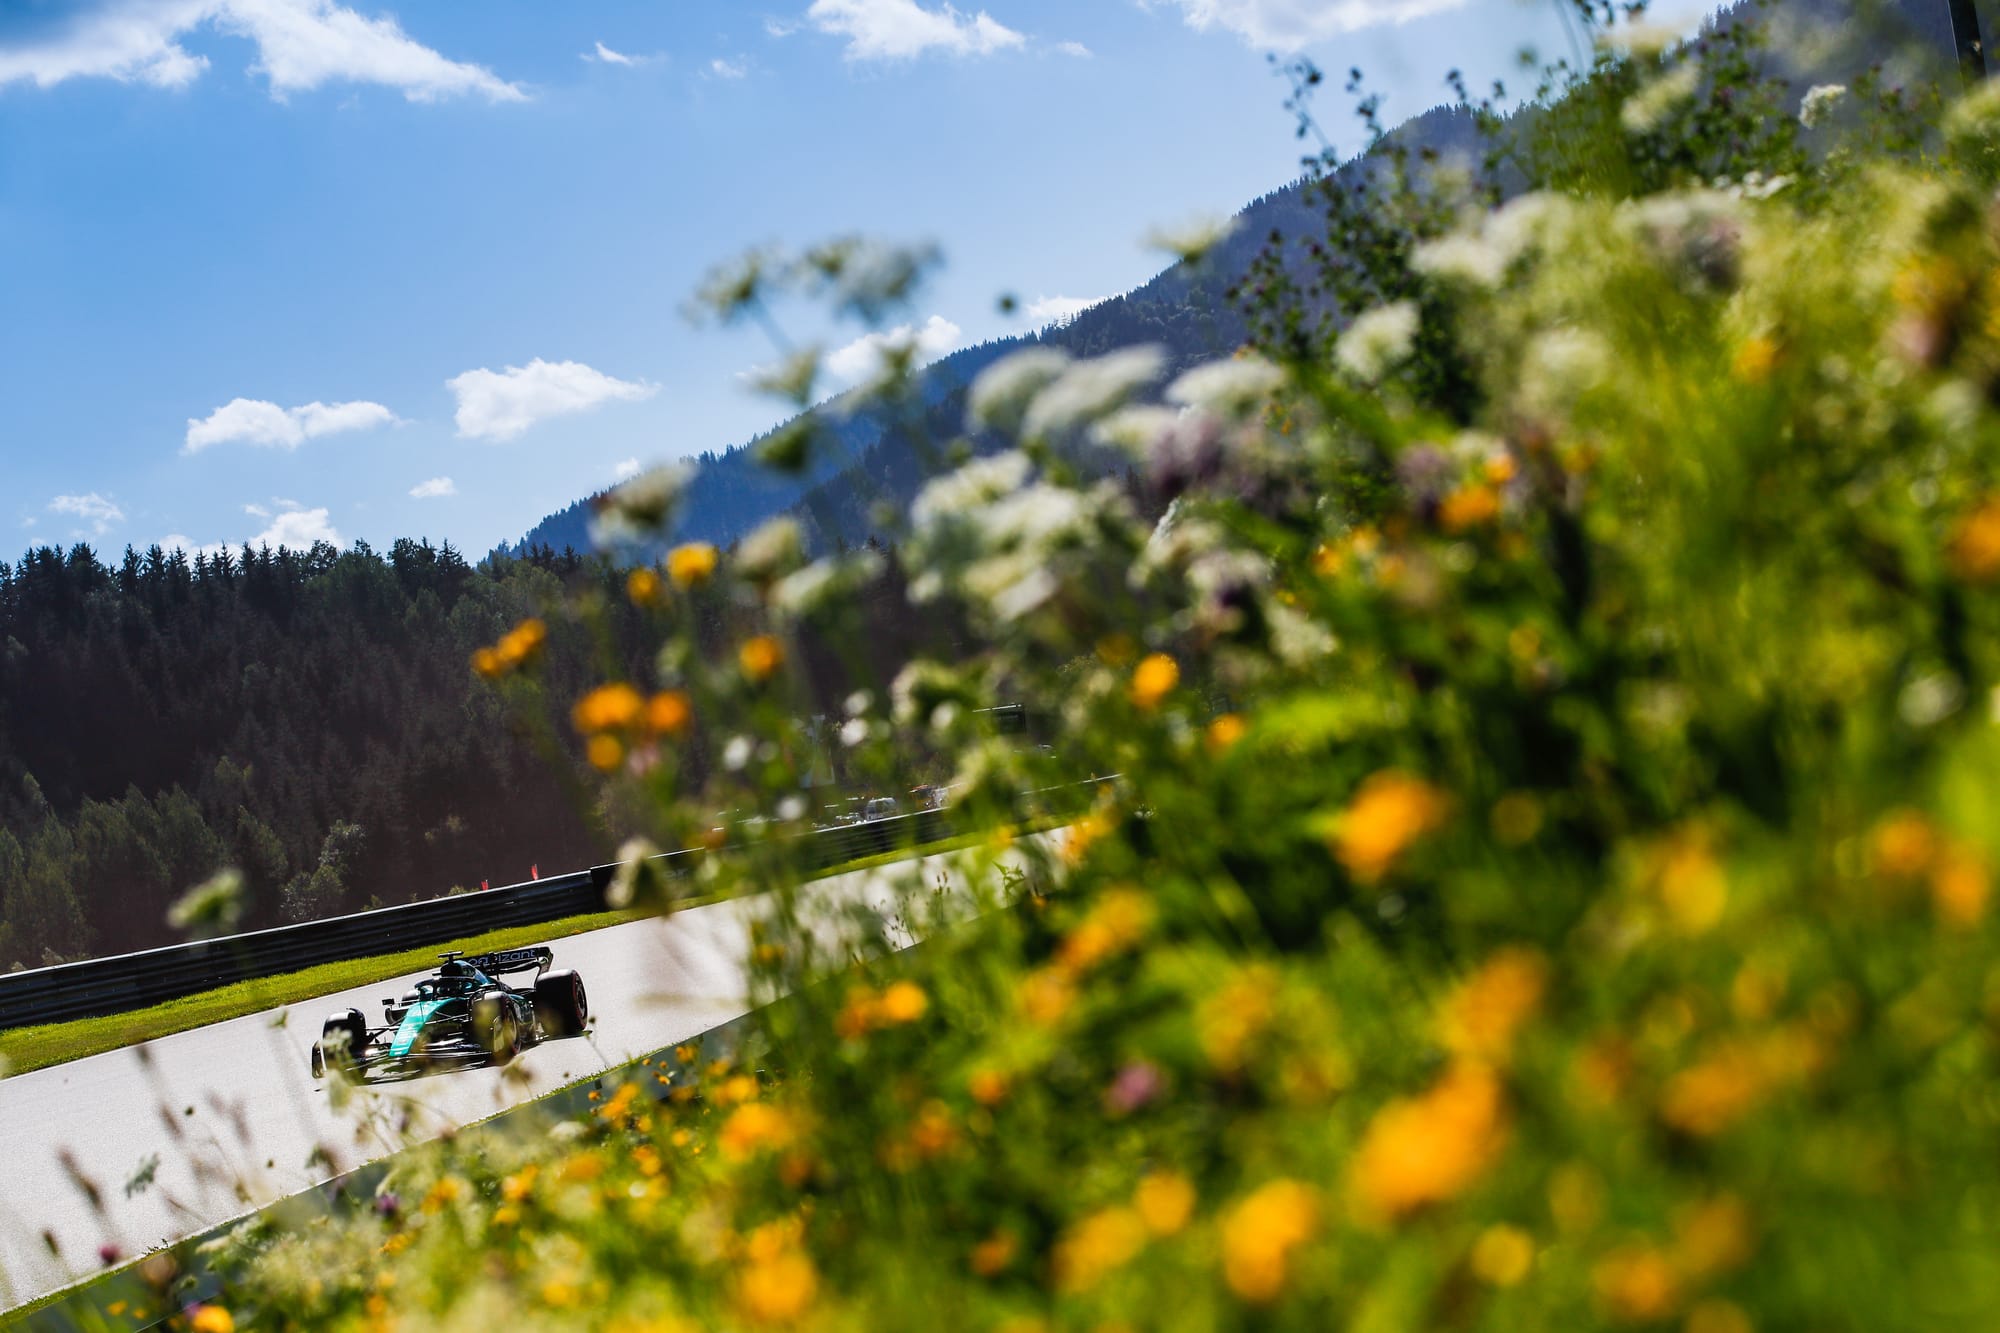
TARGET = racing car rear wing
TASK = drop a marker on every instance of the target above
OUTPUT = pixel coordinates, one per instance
(514, 960)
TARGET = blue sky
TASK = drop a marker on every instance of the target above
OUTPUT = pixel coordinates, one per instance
(279, 269)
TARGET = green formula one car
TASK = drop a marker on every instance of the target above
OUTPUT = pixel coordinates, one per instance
(462, 1015)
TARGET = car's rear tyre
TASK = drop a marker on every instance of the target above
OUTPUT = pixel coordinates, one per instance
(495, 1027)
(341, 1038)
(560, 1003)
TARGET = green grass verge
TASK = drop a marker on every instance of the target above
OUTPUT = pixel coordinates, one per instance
(23, 1049)
(53, 1043)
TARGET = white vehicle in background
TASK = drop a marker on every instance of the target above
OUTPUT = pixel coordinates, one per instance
(881, 807)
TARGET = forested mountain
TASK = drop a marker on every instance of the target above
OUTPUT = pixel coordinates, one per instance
(310, 718)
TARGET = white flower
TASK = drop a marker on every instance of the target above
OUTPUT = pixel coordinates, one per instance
(804, 591)
(1192, 240)
(635, 865)
(858, 703)
(1004, 389)
(737, 753)
(1561, 365)
(1646, 109)
(1819, 101)
(1643, 40)
(792, 807)
(1137, 428)
(773, 548)
(1465, 257)
(853, 731)
(974, 486)
(642, 506)
(1092, 389)
(1376, 342)
(1232, 387)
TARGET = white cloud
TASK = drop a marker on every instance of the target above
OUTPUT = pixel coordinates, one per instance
(500, 405)
(626, 470)
(298, 529)
(301, 45)
(903, 29)
(434, 489)
(1056, 309)
(611, 57)
(862, 358)
(727, 69)
(93, 509)
(1077, 49)
(780, 28)
(1287, 25)
(255, 421)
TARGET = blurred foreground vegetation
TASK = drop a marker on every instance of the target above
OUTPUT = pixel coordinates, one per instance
(1550, 880)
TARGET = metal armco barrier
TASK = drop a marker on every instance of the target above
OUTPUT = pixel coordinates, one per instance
(132, 981)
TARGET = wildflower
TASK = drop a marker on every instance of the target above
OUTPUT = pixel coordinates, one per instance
(1432, 1147)
(668, 713)
(1691, 883)
(1001, 394)
(777, 1290)
(1754, 360)
(1164, 1201)
(1135, 1085)
(605, 753)
(1085, 833)
(1386, 817)
(1378, 341)
(1819, 101)
(1223, 733)
(1647, 109)
(1974, 553)
(607, 708)
(991, 1257)
(903, 1002)
(690, 566)
(1485, 1012)
(987, 1086)
(771, 550)
(1259, 1235)
(1960, 887)
(1227, 1021)
(516, 648)
(1636, 1284)
(1096, 1246)
(643, 587)
(1713, 1236)
(1903, 845)
(212, 907)
(1045, 995)
(755, 1127)
(1502, 1255)
(1713, 1094)
(211, 1319)
(1468, 507)
(1192, 241)
(1117, 922)
(1232, 387)
(1089, 390)
(761, 657)
(857, 1016)
(1153, 680)
(519, 1185)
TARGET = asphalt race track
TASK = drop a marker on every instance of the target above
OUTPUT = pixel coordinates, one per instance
(233, 1119)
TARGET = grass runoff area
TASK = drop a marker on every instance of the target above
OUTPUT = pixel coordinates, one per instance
(23, 1049)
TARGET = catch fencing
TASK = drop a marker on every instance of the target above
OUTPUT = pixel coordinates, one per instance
(130, 981)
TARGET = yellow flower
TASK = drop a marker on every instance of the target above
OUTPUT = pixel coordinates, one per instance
(1468, 507)
(1259, 1235)
(1096, 1246)
(1045, 995)
(1388, 814)
(605, 753)
(519, 1185)
(1960, 887)
(1227, 1021)
(1164, 1201)
(668, 713)
(517, 647)
(611, 707)
(1425, 1149)
(1714, 1094)
(990, 1257)
(858, 1015)
(1115, 924)
(903, 1002)
(761, 657)
(987, 1086)
(755, 1127)
(1692, 883)
(1502, 1255)
(1153, 680)
(1903, 845)
(777, 1290)
(211, 1319)
(1713, 1236)
(1484, 1013)
(1974, 552)
(691, 565)
(1225, 731)
(1636, 1284)
(643, 587)
(1755, 358)
(486, 662)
